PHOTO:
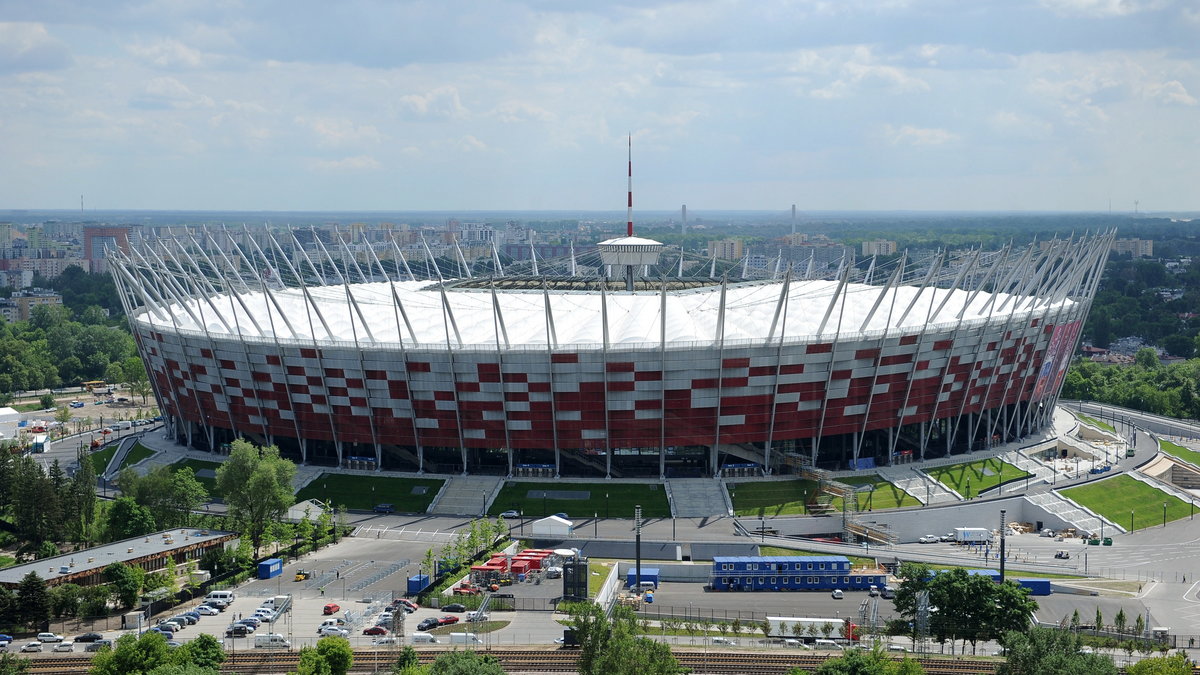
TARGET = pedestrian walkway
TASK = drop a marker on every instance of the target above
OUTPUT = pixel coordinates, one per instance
(925, 489)
(1082, 519)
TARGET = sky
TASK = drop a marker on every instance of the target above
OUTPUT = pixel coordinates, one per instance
(1071, 105)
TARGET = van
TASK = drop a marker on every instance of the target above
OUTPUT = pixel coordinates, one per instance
(225, 596)
(124, 425)
(821, 643)
(648, 585)
(873, 590)
(424, 639)
(887, 592)
(271, 641)
(335, 621)
(463, 639)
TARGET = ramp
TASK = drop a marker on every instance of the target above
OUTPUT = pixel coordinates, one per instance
(465, 495)
(698, 497)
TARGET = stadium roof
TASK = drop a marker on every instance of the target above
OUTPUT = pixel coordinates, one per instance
(462, 315)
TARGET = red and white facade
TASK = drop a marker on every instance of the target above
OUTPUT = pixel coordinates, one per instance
(682, 380)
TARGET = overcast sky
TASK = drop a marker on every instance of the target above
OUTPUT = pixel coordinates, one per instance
(499, 104)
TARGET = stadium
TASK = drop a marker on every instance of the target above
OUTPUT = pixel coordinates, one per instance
(619, 365)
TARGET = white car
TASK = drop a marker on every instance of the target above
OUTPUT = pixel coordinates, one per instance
(724, 641)
(32, 647)
(949, 536)
(388, 640)
(333, 630)
(64, 647)
(477, 616)
(837, 594)
(205, 610)
(928, 539)
(49, 637)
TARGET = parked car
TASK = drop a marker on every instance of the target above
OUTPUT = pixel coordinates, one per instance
(5, 638)
(475, 616)
(331, 608)
(949, 536)
(837, 594)
(375, 630)
(250, 621)
(333, 630)
(384, 508)
(405, 602)
(207, 610)
(32, 647)
(86, 637)
(98, 645)
(928, 539)
(238, 630)
(49, 637)
(724, 641)
(426, 624)
(65, 646)
(447, 620)
(510, 514)
(172, 644)
(389, 640)
(171, 625)
(164, 630)
(454, 607)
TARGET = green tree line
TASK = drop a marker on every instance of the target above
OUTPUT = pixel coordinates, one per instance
(1147, 385)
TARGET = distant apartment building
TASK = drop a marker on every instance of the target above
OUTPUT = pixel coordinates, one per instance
(1139, 248)
(20, 306)
(878, 247)
(726, 249)
(795, 239)
(98, 238)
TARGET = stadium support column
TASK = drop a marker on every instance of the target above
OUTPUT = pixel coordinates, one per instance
(778, 321)
(662, 378)
(720, 340)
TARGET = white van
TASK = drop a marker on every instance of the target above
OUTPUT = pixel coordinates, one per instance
(335, 621)
(821, 643)
(463, 639)
(423, 639)
(226, 596)
(271, 641)
(648, 586)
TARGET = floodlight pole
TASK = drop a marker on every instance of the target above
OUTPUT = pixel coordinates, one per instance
(637, 546)
(1002, 528)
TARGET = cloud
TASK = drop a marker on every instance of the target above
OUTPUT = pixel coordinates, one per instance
(163, 93)
(26, 47)
(1172, 92)
(168, 53)
(849, 71)
(469, 143)
(441, 103)
(521, 111)
(916, 136)
(1103, 8)
(338, 132)
(346, 164)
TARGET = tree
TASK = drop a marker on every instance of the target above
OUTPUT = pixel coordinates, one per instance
(94, 602)
(1120, 621)
(132, 655)
(1099, 619)
(1175, 664)
(1042, 651)
(466, 662)
(11, 664)
(337, 653)
(1139, 626)
(312, 663)
(612, 647)
(126, 582)
(869, 662)
(1147, 358)
(407, 661)
(203, 650)
(182, 669)
(257, 486)
(64, 600)
(33, 601)
(46, 401)
(127, 519)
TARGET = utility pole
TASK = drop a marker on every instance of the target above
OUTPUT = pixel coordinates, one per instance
(1002, 528)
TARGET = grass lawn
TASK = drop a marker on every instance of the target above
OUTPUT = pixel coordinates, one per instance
(1118, 497)
(364, 492)
(773, 498)
(595, 581)
(28, 407)
(1096, 423)
(197, 465)
(1179, 451)
(101, 459)
(621, 498)
(885, 496)
(1015, 574)
(136, 454)
(779, 550)
(474, 627)
(971, 478)
(7, 561)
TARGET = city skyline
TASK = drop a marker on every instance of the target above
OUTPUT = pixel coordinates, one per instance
(1050, 105)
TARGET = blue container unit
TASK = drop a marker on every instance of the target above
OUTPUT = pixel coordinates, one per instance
(270, 568)
(1036, 586)
(417, 583)
(648, 574)
(789, 573)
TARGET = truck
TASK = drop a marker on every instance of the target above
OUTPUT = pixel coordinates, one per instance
(463, 639)
(279, 604)
(972, 535)
(810, 628)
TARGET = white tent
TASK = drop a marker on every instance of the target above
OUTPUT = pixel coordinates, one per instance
(296, 513)
(9, 415)
(552, 527)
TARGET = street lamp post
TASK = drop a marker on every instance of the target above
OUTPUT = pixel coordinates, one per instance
(606, 505)
(1131, 520)
(596, 525)
(968, 488)
(1164, 514)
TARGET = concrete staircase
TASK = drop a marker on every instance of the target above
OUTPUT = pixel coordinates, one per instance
(698, 497)
(925, 489)
(1069, 511)
(1041, 472)
(465, 495)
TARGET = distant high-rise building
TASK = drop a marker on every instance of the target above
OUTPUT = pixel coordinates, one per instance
(878, 247)
(1139, 248)
(726, 249)
(98, 237)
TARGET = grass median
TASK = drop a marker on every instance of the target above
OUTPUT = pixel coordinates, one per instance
(582, 500)
(406, 495)
(970, 478)
(1127, 501)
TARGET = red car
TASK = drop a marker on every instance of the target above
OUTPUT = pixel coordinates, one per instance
(412, 606)
(331, 608)
(447, 620)
(375, 630)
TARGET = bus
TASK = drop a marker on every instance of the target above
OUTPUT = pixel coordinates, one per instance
(94, 384)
